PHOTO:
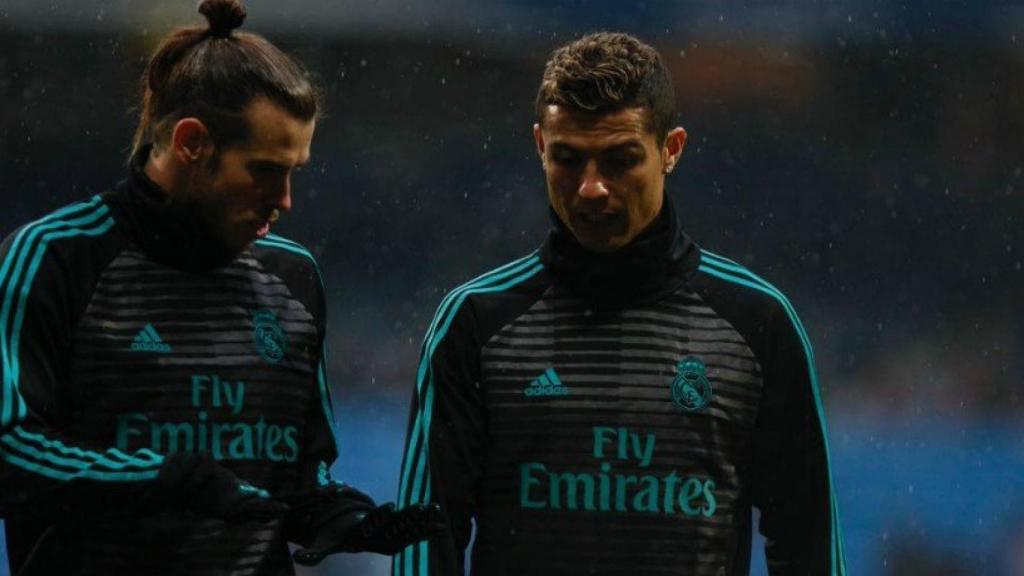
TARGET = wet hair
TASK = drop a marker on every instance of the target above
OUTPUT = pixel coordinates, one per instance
(607, 72)
(213, 73)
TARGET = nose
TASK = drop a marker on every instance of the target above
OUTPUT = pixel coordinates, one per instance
(280, 196)
(592, 185)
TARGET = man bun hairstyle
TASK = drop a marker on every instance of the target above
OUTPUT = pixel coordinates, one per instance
(223, 17)
(606, 72)
(213, 73)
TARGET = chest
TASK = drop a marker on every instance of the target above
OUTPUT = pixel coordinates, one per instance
(670, 384)
(169, 360)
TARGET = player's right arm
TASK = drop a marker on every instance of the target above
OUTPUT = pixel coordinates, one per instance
(41, 467)
(446, 439)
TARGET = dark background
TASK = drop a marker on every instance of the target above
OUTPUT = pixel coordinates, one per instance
(865, 157)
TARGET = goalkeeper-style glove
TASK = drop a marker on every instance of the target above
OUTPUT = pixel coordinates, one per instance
(198, 483)
(383, 530)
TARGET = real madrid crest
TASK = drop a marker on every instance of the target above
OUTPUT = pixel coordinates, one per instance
(268, 336)
(691, 389)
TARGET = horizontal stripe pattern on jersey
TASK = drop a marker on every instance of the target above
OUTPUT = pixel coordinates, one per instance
(615, 476)
(217, 385)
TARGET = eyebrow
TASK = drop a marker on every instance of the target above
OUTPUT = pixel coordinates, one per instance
(277, 164)
(627, 146)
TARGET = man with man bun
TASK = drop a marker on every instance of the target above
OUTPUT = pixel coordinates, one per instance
(164, 407)
(617, 402)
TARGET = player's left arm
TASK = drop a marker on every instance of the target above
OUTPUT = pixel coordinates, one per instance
(791, 480)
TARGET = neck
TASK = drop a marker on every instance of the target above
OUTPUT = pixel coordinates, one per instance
(657, 262)
(171, 228)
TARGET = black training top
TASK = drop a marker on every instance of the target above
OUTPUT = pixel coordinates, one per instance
(619, 414)
(127, 333)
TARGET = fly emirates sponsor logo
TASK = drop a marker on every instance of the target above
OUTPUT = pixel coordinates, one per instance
(607, 490)
(216, 428)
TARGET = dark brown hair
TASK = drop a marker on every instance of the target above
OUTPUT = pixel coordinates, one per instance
(212, 73)
(607, 72)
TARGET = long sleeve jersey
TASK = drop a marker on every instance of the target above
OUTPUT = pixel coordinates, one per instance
(619, 414)
(124, 338)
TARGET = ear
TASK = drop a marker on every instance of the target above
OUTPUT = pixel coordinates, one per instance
(191, 141)
(675, 141)
(538, 140)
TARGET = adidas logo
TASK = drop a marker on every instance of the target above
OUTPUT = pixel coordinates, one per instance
(147, 340)
(547, 384)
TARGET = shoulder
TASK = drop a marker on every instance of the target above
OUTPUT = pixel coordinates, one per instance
(279, 252)
(755, 306)
(77, 237)
(48, 267)
(290, 261)
(296, 266)
(727, 279)
(489, 301)
(86, 219)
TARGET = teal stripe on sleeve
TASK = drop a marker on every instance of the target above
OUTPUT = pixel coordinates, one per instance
(55, 474)
(435, 341)
(403, 562)
(414, 433)
(422, 477)
(33, 451)
(443, 309)
(112, 457)
(19, 247)
(15, 290)
(25, 449)
(272, 241)
(732, 272)
(26, 286)
(281, 243)
(417, 449)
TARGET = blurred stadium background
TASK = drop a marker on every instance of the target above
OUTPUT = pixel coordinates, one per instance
(864, 156)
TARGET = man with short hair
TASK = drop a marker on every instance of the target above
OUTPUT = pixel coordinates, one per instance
(164, 407)
(619, 400)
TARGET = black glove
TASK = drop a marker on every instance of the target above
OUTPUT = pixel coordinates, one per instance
(197, 482)
(383, 530)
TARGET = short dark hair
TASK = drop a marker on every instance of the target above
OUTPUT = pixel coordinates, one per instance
(607, 72)
(212, 73)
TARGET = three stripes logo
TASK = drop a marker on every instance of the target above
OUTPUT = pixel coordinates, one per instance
(147, 340)
(547, 384)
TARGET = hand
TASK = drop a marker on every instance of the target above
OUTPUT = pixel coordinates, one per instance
(383, 530)
(197, 482)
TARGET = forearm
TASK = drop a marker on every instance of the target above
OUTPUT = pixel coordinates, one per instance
(41, 467)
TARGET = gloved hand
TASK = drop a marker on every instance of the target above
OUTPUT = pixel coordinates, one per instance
(383, 530)
(198, 483)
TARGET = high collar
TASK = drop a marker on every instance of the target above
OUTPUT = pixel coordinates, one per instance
(169, 230)
(656, 263)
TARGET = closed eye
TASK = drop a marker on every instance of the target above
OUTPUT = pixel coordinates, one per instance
(622, 161)
(565, 156)
(269, 168)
